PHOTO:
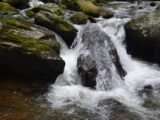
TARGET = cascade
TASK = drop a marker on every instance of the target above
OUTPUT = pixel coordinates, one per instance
(97, 40)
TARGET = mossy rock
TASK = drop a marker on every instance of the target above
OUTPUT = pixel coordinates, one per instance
(79, 18)
(30, 13)
(58, 24)
(18, 3)
(28, 51)
(84, 6)
(7, 10)
(49, 7)
(143, 38)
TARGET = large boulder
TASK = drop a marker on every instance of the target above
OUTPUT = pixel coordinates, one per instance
(58, 24)
(85, 6)
(143, 38)
(28, 51)
(7, 10)
(18, 3)
(87, 70)
(98, 45)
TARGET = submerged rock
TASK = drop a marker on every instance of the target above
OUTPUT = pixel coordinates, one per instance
(85, 6)
(58, 24)
(117, 111)
(87, 70)
(143, 38)
(28, 51)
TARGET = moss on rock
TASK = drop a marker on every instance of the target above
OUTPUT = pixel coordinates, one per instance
(79, 18)
(27, 50)
(143, 38)
(58, 24)
(7, 10)
(84, 6)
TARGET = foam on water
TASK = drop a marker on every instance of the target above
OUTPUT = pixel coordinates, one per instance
(68, 90)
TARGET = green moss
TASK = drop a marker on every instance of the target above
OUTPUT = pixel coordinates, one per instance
(12, 37)
(15, 23)
(79, 18)
(49, 7)
(7, 10)
(30, 13)
(84, 6)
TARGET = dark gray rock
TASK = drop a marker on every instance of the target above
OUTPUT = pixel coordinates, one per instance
(87, 70)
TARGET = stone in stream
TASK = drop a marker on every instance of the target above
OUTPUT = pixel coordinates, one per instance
(49, 16)
(28, 51)
(143, 38)
(85, 6)
(117, 111)
(87, 70)
(81, 18)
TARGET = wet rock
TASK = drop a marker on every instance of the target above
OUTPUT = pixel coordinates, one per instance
(48, 7)
(143, 38)
(107, 14)
(21, 4)
(79, 18)
(28, 51)
(84, 6)
(87, 70)
(152, 4)
(58, 24)
(118, 111)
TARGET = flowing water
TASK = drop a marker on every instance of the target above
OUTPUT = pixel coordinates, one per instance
(125, 98)
(114, 98)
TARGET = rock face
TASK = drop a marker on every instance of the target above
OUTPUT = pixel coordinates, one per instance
(143, 38)
(58, 25)
(18, 3)
(28, 51)
(84, 6)
(87, 70)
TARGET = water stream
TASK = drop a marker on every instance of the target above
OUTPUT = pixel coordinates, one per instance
(115, 97)
(68, 90)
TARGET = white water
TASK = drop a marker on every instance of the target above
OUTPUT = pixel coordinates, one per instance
(68, 89)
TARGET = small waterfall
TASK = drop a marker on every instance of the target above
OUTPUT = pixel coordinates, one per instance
(98, 40)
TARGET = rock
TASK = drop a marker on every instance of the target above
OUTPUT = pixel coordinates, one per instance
(118, 111)
(7, 10)
(107, 14)
(143, 38)
(48, 7)
(30, 14)
(99, 46)
(79, 18)
(84, 6)
(58, 24)
(21, 4)
(87, 70)
(50, 1)
(28, 51)
(152, 4)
